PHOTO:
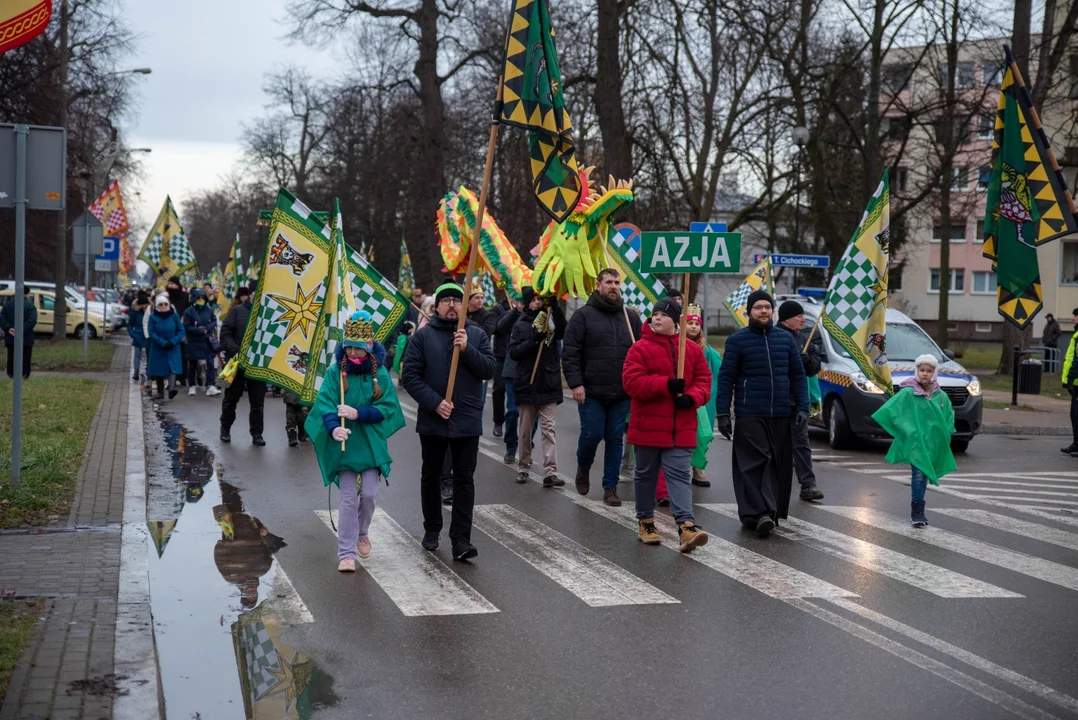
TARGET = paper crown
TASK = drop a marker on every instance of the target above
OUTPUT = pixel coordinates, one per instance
(694, 311)
(359, 330)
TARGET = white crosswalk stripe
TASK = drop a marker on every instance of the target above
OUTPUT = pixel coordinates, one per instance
(593, 579)
(1034, 567)
(1016, 526)
(931, 578)
(416, 580)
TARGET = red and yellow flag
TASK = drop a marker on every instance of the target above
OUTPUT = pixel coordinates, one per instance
(127, 256)
(109, 209)
(21, 21)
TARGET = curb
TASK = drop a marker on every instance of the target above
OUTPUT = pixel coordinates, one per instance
(1006, 429)
(135, 653)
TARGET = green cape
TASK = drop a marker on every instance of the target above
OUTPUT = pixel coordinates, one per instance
(366, 447)
(714, 362)
(922, 430)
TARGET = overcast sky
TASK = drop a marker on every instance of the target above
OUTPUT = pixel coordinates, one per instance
(208, 59)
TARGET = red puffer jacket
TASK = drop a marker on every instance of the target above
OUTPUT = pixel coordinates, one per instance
(653, 419)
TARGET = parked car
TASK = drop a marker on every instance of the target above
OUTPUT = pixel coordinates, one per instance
(74, 298)
(45, 302)
(849, 397)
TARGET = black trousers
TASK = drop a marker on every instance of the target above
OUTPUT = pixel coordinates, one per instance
(256, 396)
(762, 467)
(465, 452)
(498, 393)
(1074, 403)
(27, 351)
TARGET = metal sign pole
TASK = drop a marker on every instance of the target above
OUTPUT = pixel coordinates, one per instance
(22, 132)
(86, 304)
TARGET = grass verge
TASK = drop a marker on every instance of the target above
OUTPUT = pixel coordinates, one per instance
(67, 355)
(1050, 386)
(56, 421)
(17, 618)
(997, 405)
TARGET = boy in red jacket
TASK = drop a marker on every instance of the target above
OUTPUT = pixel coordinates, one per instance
(662, 421)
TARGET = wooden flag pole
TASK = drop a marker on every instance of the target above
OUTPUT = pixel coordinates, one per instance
(472, 254)
(539, 354)
(341, 369)
(624, 308)
(819, 318)
(683, 334)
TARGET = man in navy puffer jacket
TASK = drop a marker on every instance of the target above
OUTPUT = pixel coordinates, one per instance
(762, 371)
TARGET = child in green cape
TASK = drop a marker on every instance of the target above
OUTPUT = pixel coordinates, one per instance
(920, 418)
(350, 438)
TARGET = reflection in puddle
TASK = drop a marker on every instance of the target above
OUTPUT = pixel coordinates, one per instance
(218, 648)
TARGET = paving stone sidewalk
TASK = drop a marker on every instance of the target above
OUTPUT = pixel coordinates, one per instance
(66, 670)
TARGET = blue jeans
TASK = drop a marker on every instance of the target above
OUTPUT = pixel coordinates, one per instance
(136, 361)
(676, 464)
(918, 485)
(512, 439)
(602, 421)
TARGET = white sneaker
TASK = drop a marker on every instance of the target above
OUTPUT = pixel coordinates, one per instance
(212, 390)
(191, 390)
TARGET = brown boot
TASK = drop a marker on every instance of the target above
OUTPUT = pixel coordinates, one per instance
(610, 497)
(583, 483)
(690, 536)
(699, 479)
(647, 533)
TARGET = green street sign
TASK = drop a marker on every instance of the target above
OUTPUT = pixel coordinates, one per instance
(690, 252)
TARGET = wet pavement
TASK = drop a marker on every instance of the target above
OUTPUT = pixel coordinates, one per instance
(221, 606)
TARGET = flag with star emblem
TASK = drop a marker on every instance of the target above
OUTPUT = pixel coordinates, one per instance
(110, 212)
(532, 99)
(737, 302)
(337, 307)
(1027, 202)
(166, 249)
(288, 301)
(855, 306)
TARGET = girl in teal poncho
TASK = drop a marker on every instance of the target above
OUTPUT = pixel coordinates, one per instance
(369, 414)
(921, 420)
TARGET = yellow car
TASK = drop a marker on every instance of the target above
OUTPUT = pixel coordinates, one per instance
(45, 302)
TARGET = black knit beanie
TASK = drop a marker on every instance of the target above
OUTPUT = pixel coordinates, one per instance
(789, 309)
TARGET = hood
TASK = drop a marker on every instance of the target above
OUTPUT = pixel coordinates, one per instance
(379, 353)
(598, 302)
(137, 306)
(196, 294)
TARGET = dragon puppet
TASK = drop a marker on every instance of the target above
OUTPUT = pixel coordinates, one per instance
(570, 254)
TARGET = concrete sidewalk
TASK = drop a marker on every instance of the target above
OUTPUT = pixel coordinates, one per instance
(67, 668)
(1035, 415)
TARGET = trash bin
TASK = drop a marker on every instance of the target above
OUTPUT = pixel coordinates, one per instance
(1029, 376)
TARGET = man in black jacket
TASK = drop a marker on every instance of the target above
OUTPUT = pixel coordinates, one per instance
(232, 331)
(501, 348)
(596, 341)
(7, 327)
(448, 423)
(177, 297)
(534, 347)
(792, 319)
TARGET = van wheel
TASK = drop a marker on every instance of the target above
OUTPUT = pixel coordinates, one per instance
(92, 333)
(839, 436)
(959, 446)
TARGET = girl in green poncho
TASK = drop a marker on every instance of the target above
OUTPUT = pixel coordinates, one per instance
(920, 418)
(361, 425)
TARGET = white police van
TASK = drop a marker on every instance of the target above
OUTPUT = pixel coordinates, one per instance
(849, 398)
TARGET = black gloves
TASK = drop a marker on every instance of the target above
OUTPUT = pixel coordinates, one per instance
(801, 419)
(725, 427)
(684, 402)
(675, 386)
(169, 345)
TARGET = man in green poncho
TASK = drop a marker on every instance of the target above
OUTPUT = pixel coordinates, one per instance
(920, 419)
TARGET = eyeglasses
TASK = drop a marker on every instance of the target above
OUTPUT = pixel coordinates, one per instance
(762, 307)
(450, 301)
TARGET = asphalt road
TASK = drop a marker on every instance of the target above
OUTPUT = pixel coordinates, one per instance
(564, 614)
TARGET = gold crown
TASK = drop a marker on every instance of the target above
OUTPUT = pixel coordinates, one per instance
(694, 309)
(359, 331)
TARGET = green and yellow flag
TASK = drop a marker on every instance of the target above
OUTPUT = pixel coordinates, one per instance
(1027, 202)
(737, 302)
(855, 308)
(291, 291)
(405, 276)
(532, 99)
(166, 249)
(233, 270)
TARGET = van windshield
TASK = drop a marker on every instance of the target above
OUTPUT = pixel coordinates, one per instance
(904, 343)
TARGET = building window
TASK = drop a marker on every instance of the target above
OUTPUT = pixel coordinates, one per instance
(958, 232)
(983, 327)
(984, 176)
(896, 78)
(894, 279)
(895, 128)
(986, 126)
(1068, 266)
(960, 178)
(963, 75)
(902, 178)
(984, 282)
(979, 236)
(959, 130)
(958, 280)
(991, 74)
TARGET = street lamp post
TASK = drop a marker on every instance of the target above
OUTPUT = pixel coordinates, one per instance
(800, 135)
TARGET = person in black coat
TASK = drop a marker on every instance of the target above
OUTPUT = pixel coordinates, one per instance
(501, 349)
(792, 320)
(232, 331)
(448, 423)
(7, 327)
(597, 340)
(177, 296)
(537, 387)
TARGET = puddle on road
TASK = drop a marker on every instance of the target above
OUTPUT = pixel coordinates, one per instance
(219, 605)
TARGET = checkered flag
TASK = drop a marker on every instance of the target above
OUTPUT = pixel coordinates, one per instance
(109, 210)
(151, 251)
(737, 302)
(377, 296)
(639, 290)
(269, 333)
(180, 253)
(849, 300)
